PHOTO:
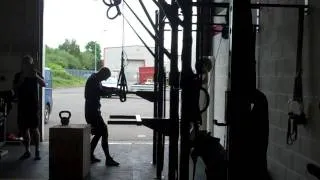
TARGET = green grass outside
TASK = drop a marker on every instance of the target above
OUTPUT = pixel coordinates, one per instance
(59, 82)
(62, 79)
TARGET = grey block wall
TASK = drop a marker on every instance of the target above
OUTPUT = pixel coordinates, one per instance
(276, 63)
(277, 56)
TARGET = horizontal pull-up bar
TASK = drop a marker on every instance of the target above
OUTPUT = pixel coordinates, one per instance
(214, 24)
(253, 6)
(255, 25)
(219, 15)
(203, 23)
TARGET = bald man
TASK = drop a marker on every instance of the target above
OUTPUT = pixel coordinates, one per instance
(93, 91)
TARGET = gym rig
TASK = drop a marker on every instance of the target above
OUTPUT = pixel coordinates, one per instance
(6, 97)
(242, 159)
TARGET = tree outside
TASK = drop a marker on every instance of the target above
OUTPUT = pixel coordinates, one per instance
(69, 56)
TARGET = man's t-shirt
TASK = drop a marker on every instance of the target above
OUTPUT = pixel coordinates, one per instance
(92, 93)
(27, 93)
(28, 101)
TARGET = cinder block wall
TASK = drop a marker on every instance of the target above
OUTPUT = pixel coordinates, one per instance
(276, 67)
(276, 63)
(277, 56)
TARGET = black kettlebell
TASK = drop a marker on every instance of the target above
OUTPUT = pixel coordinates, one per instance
(65, 120)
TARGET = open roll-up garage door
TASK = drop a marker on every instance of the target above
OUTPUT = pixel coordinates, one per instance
(132, 70)
(20, 33)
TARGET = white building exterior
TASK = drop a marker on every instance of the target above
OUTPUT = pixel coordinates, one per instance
(136, 56)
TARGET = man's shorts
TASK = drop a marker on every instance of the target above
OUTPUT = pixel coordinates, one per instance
(28, 119)
(98, 126)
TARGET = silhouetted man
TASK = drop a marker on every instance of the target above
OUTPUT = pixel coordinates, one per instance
(93, 91)
(26, 87)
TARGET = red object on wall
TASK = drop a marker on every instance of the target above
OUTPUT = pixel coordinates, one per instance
(216, 29)
(145, 73)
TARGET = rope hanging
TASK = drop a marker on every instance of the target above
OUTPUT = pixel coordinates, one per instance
(111, 4)
(122, 81)
(296, 113)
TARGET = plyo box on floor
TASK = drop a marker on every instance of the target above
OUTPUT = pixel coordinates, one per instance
(69, 152)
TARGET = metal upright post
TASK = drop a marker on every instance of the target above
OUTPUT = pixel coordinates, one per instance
(203, 46)
(204, 38)
(174, 98)
(242, 87)
(187, 75)
(161, 75)
(199, 31)
(155, 79)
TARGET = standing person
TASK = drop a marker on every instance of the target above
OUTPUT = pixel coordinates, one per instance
(93, 91)
(26, 87)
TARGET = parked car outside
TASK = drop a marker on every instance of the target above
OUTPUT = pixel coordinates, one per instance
(48, 94)
(112, 84)
(149, 82)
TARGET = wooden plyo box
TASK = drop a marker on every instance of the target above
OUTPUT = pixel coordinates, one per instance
(69, 152)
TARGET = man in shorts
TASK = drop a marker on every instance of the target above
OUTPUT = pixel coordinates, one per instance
(93, 92)
(26, 86)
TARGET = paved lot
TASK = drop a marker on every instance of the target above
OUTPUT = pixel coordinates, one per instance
(72, 100)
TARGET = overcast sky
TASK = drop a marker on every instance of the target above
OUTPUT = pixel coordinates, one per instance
(85, 20)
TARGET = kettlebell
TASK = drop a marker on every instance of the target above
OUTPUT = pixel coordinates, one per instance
(65, 119)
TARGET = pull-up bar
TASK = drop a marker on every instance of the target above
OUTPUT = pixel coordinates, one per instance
(253, 6)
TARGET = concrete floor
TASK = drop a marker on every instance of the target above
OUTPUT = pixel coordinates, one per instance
(135, 164)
